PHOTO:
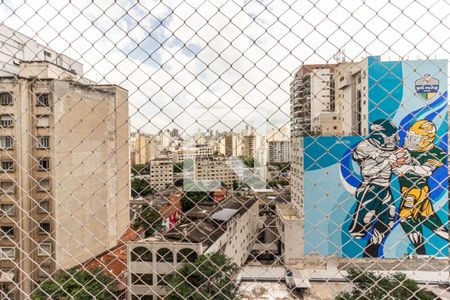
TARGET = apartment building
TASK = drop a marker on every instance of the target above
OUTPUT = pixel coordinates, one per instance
(65, 171)
(167, 203)
(217, 169)
(351, 85)
(161, 172)
(193, 152)
(208, 228)
(312, 94)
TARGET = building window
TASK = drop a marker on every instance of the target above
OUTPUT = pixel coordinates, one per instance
(162, 279)
(44, 227)
(7, 209)
(44, 163)
(141, 254)
(6, 121)
(164, 255)
(7, 187)
(7, 253)
(43, 100)
(45, 249)
(47, 54)
(7, 231)
(6, 98)
(6, 142)
(44, 185)
(7, 165)
(142, 279)
(42, 121)
(44, 206)
(43, 142)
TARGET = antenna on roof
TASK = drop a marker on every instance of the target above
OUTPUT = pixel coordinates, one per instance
(339, 56)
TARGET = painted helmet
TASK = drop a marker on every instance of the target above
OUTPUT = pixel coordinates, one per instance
(420, 136)
(383, 134)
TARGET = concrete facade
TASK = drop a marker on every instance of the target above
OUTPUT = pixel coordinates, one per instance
(71, 170)
(161, 172)
(214, 169)
(151, 259)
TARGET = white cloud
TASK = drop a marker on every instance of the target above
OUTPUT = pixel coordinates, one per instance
(245, 51)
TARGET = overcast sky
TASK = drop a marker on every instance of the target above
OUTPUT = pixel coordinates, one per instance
(224, 63)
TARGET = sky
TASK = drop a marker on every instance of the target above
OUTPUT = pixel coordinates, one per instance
(223, 64)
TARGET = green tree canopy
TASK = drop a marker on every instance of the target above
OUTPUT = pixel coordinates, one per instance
(178, 167)
(150, 219)
(372, 286)
(78, 285)
(248, 161)
(190, 199)
(140, 187)
(210, 276)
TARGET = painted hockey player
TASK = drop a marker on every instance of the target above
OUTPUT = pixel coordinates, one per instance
(375, 212)
(416, 209)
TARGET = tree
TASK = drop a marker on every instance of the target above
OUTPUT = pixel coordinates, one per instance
(248, 161)
(77, 284)
(210, 276)
(237, 184)
(140, 187)
(150, 219)
(372, 286)
(178, 167)
(276, 182)
(140, 169)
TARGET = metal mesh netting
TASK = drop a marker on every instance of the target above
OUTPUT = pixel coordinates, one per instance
(224, 149)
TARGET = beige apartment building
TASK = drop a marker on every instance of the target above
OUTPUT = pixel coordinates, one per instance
(209, 169)
(326, 100)
(194, 152)
(161, 172)
(65, 172)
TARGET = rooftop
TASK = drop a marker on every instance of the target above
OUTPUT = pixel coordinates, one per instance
(206, 222)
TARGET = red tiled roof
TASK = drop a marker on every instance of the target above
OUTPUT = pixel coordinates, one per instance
(114, 260)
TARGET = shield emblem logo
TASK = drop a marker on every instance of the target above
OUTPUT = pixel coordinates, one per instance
(427, 87)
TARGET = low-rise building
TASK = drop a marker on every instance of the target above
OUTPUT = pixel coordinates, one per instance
(229, 227)
(167, 203)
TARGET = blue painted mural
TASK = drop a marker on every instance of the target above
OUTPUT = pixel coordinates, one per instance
(385, 194)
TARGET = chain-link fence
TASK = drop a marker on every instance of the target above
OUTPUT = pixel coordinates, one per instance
(224, 149)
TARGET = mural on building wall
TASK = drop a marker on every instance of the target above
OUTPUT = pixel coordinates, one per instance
(385, 194)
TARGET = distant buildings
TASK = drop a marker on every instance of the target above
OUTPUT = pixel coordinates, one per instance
(218, 169)
(161, 172)
(196, 151)
(145, 147)
(65, 164)
(278, 145)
